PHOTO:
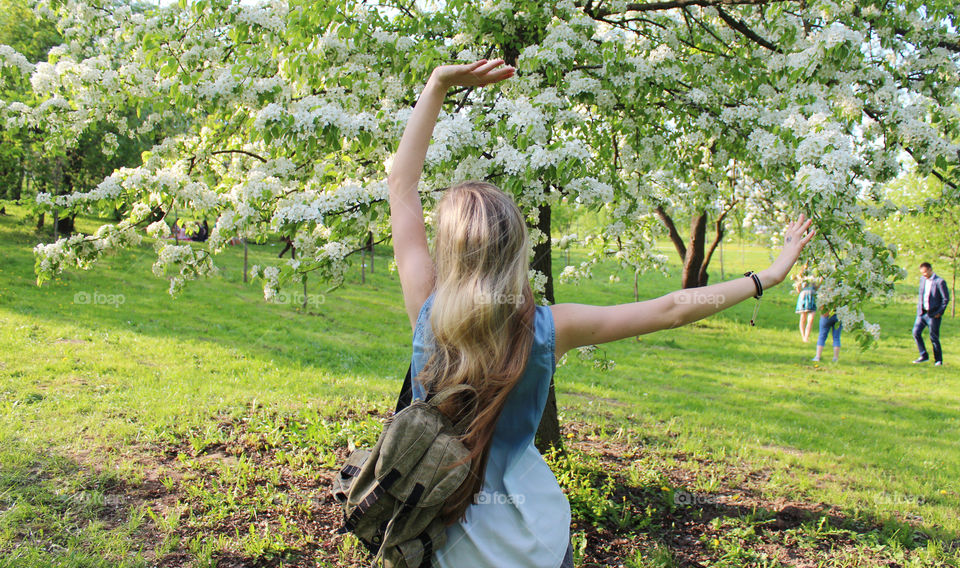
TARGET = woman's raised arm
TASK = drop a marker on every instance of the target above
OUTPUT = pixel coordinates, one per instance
(414, 265)
(579, 324)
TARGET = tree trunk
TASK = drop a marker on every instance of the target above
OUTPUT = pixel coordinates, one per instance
(289, 246)
(244, 260)
(693, 261)
(954, 286)
(693, 254)
(717, 240)
(548, 433)
(722, 275)
(304, 306)
(370, 248)
(65, 225)
(40, 222)
(367, 249)
(16, 191)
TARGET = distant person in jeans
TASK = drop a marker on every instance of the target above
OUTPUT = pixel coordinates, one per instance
(931, 304)
(828, 323)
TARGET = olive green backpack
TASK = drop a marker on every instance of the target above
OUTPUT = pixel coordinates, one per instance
(392, 494)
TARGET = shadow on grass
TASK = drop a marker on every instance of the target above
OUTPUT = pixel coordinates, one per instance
(617, 517)
(57, 510)
(331, 338)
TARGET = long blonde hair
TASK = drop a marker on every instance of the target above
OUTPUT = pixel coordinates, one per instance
(482, 315)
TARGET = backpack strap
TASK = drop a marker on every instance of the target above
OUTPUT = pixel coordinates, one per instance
(378, 490)
(424, 537)
(349, 470)
(427, 543)
(409, 503)
(435, 399)
(406, 392)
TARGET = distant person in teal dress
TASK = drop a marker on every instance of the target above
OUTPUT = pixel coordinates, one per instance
(806, 305)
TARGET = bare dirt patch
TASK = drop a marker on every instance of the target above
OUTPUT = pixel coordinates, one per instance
(735, 519)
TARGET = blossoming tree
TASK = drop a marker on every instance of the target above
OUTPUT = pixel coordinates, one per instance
(657, 111)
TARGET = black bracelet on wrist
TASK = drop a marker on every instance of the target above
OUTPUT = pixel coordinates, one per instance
(756, 283)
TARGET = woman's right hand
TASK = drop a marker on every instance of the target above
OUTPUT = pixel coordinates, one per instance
(476, 74)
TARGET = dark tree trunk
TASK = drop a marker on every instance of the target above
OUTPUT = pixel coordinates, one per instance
(695, 255)
(548, 433)
(65, 225)
(289, 246)
(370, 249)
(717, 240)
(955, 255)
(17, 190)
(364, 251)
(40, 222)
(693, 261)
(244, 259)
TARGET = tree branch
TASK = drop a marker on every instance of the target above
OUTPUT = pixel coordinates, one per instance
(368, 245)
(674, 234)
(671, 4)
(747, 32)
(244, 152)
(707, 29)
(875, 115)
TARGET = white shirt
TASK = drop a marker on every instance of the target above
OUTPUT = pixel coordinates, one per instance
(927, 286)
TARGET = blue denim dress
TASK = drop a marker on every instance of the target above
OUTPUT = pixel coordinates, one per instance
(521, 517)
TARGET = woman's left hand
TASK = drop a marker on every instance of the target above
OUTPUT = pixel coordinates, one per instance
(794, 239)
(476, 74)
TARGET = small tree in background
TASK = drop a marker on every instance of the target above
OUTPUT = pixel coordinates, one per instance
(927, 225)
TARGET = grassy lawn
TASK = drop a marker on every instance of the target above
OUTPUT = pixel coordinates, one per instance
(141, 430)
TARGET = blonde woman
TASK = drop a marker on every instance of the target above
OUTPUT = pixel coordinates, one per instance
(474, 321)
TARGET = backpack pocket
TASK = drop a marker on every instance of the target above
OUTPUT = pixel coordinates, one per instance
(416, 552)
(343, 481)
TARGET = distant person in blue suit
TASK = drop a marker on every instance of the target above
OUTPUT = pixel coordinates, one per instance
(931, 304)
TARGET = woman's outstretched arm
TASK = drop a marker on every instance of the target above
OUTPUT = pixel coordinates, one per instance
(578, 324)
(414, 265)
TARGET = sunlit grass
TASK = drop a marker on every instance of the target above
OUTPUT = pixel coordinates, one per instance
(83, 383)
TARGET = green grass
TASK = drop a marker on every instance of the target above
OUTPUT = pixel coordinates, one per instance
(200, 428)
